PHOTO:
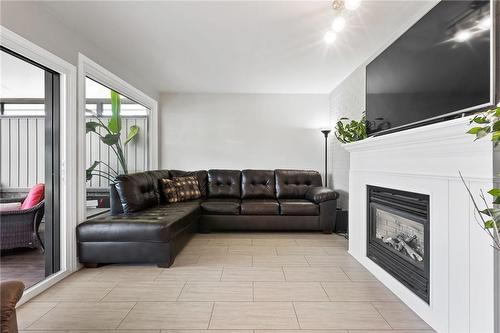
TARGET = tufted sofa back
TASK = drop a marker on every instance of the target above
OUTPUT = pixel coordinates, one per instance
(293, 184)
(135, 192)
(140, 190)
(258, 184)
(224, 184)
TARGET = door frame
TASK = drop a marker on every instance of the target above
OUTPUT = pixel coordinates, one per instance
(91, 69)
(68, 157)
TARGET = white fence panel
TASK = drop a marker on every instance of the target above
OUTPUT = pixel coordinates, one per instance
(22, 151)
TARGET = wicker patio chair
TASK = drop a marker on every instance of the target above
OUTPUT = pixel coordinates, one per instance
(19, 228)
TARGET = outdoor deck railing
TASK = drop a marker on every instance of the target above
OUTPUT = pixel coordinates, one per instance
(22, 151)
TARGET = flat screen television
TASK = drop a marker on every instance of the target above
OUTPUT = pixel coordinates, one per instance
(439, 68)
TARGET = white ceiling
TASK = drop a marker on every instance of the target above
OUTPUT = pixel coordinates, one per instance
(236, 46)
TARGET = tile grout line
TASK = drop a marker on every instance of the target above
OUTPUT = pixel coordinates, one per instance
(221, 273)
(283, 272)
(324, 290)
(296, 316)
(381, 315)
(103, 297)
(211, 315)
(124, 317)
(182, 289)
(343, 271)
(37, 320)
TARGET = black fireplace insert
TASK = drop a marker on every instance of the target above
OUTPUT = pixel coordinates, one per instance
(398, 236)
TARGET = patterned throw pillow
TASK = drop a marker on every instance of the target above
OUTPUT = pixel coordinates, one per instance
(170, 191)
(187, 188)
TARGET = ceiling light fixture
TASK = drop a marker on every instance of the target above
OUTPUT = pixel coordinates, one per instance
(330, 37)
(352, 4)
(339, 22)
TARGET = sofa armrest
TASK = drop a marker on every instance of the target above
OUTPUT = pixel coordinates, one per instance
(321, 194)
(11, 294)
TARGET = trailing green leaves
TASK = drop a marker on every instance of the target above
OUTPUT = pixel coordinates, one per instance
(489, 218)
(489, 122)
(347, 131)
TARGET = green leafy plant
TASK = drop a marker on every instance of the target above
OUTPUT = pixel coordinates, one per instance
(112, 138)
(347, 131)
(486, 123)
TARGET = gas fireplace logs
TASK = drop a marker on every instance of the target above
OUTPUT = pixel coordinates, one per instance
(401, 243)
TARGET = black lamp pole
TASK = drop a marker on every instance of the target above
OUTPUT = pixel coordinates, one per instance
(326, 132)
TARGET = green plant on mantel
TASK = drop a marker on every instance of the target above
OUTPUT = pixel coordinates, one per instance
(487, 123)
(347, 131)
(111, 138)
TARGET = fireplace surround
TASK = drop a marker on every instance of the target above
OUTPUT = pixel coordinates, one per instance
(427, 160)
(398, 236)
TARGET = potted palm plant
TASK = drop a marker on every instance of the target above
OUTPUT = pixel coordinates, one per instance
(111, 138)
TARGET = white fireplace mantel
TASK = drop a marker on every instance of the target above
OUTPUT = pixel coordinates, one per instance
(428, 160)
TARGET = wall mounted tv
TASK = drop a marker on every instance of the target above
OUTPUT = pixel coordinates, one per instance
(439, 68)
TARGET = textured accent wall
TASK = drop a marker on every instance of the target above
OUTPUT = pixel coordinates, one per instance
(347, 100)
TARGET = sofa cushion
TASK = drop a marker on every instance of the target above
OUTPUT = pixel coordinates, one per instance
(297, 207)
(221, 206)
(35, 196)
(200, 174)
(137, 191)
(293, 184)
(187, 188)
(169, 191)
(258, 184)
(224, 184)
(157, 224)
(260, 207)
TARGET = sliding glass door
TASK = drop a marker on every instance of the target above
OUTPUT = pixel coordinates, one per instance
(29, 169)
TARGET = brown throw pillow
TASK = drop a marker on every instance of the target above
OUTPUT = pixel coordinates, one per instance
(187, 188)
(169, 190)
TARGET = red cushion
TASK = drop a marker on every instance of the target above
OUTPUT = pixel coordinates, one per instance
(36, 195)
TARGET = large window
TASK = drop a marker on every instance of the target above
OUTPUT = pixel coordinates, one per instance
(112, 150)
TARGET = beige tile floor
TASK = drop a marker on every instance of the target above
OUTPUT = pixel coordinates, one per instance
(228, 283)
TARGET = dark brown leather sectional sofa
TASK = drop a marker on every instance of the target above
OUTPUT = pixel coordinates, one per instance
(143, 227)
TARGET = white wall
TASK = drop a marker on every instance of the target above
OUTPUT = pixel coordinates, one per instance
(203, 131)
(32, 21)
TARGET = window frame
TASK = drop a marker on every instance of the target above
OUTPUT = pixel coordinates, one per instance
(89, 68)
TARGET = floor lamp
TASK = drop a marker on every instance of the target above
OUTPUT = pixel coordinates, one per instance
(326, 132)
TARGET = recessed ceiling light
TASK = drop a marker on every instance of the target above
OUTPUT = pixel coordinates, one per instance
(338, 24)
(463, 35)
(352, 4)
(330, 37)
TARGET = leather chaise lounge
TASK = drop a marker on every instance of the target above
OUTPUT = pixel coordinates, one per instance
(142, 227)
